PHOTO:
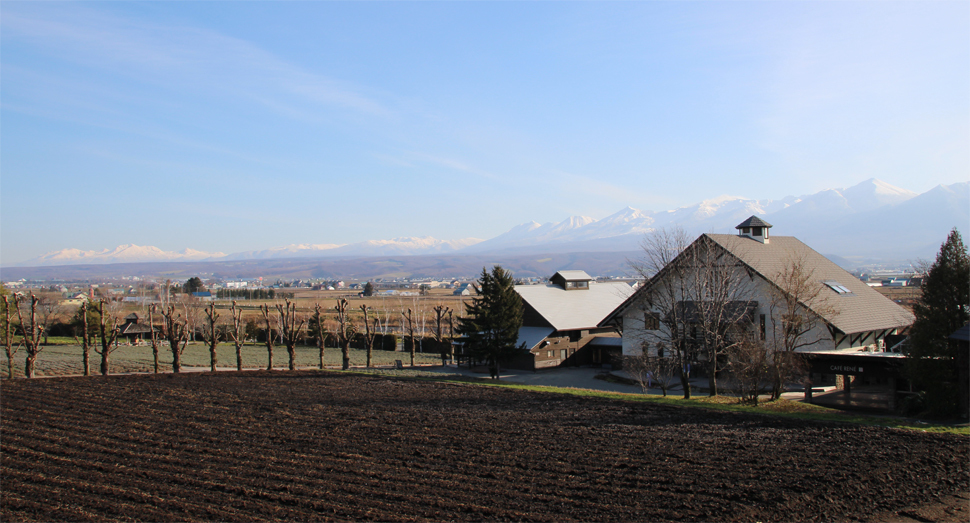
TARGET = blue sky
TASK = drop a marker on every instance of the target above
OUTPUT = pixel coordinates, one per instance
(229, 126)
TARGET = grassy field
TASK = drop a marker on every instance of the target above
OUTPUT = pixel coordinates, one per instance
(64, 360)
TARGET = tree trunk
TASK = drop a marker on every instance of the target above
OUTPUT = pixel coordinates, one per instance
(9, 367)
(238, 357)
(346, 353)
(291, 351)
(85, 341)
(105, 343)
(29, 363)
(212, 353)
(685, 383)
(269, 354)
(176, 360)
(104, 362)
(712, 378)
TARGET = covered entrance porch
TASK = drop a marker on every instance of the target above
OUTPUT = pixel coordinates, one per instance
(859, 381)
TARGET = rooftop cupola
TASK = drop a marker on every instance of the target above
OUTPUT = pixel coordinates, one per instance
(754, 228)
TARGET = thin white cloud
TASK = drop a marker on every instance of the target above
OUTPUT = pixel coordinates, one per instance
(181, 58)
(624, 195)
(453, 164)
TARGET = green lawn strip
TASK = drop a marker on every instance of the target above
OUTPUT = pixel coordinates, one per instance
(60, 340)
(782, 408)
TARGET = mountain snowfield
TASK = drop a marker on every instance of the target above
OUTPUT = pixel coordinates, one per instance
(121, 254)
(872, 219)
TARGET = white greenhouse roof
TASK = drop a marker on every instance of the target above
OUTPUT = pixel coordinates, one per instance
(575, 309)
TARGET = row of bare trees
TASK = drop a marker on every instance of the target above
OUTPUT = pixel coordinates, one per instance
(25, 320)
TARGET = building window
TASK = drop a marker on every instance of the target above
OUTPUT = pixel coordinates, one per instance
(756, 231)
(549, 354)
(651, 321)
(562, 354)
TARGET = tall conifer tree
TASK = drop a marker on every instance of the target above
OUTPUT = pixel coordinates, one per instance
(943, 308)
(491, 327)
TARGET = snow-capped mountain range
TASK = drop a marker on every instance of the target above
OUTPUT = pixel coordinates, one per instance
(870, 220)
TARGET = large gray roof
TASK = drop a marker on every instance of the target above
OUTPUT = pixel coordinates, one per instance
(860, 310)
(575, 309)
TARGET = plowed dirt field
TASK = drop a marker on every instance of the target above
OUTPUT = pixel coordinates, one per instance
(317, 445)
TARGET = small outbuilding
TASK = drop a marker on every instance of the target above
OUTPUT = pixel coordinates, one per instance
(561, 319)
(132, 330)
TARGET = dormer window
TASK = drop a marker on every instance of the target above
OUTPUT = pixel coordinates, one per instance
(571, 280)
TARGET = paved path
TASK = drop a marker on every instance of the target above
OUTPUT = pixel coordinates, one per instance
(575, 377)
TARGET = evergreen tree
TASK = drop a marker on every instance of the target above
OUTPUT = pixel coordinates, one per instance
(943, 308)
(368, 289)
(194, 284)
(491, 327)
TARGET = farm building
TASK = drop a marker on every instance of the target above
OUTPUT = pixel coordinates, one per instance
(561, 321)
(132, 330)
(850, 321)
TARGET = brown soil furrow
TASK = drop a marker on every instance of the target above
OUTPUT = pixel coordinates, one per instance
(175, 483)
(124, 494)
(302, 446)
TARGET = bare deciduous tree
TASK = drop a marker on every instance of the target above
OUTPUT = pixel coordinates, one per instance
(666, 289)
(49, 310)
(345, 332)
(291, 324)
(718, 291)
(8, 345)
(237, 333)
(154, 335)
(31, 331)
(368, 334)
(439, 315)
(652, 370)
(319, 332)
(269, 335)
(177, 334)
(85, 339)
(211, 334)
(797, 304)
(410, 319)
(451, 336)
(108, 335)
(750, 367)
(697, 298)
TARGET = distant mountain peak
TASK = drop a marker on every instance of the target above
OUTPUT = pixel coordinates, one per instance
(831, 219)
